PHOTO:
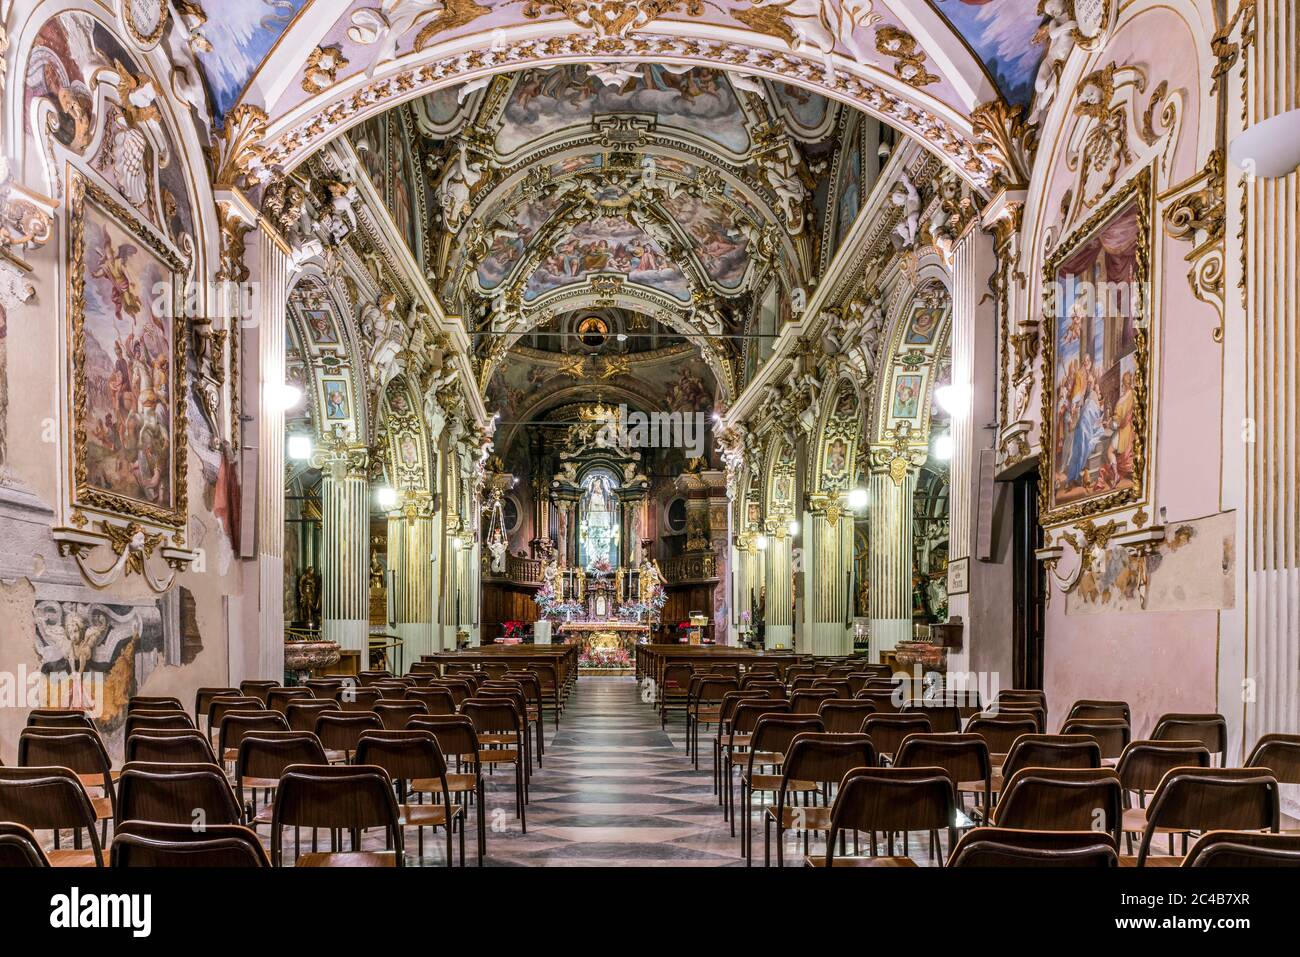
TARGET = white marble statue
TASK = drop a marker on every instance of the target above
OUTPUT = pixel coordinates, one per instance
(387, 336)
(1059, 33)
(905, 196)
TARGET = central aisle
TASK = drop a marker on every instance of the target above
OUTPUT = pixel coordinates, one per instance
(615, 789)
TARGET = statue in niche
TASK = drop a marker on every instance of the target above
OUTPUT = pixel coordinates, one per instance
(376, 572)
(599, 523)
(649, 581)
(387, 336)
(497, 548)
(309, 596)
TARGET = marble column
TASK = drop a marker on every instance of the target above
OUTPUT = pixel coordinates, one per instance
(345, 571)
(889, 514)
(410, 543)
(827, 567)
(778, 612)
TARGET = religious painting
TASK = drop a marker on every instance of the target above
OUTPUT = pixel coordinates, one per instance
(370, 141)
(337, 406)
(128, 355)
(321, 326)
(1095, 361)
(907, 396)
(848, 195)
(599, 521)
(699, 100)
(403, 182)
(1005, 37)
(837, 452)
(717, 240)
(608, 244)
(510, 230)
(807, 110)
(925, 322)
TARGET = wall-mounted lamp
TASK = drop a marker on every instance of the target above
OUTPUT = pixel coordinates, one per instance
(286, 396)
(1270, 148)
(857, 498)
(793, 527)
(386, 496)
(300, 447)
(943, 447)
(761, 543)
(953, 398)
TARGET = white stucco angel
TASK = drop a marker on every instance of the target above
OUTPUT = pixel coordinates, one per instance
(904, 195)
(342, 198)
(387, 336)
(462, 176)
(710, 318)
(1059, 35)
(385, 25)
(781, 170)
(871, 320)
(822, 24)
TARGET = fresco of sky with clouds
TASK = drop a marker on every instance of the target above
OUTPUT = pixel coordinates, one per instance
(242, 33)
(1001, 32)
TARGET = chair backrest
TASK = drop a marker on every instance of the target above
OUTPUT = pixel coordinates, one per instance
(711, 689)
(340, 730)
(80, 751)
(809, 700)
(222, 705)
(1111, 734)
(278, 698)
(370, 677)
(302, 714)
(19, 847)
(257, 688)
(804, 682)
(150, 844)
(1244, 849)
(885, 702)
(48, 798)
(351, 797)
(892, 799)
(203, 699)
(1022, 696)
(844, 717)
(59, 718)
(1051, 751)
(138, 720)
(154, 703)
(266, 754)
(1031, 708)
(495, 669)
(395, 714)
(1010, 847)
(237, 724)
(887, 731)
(1144, 764)
(405, 755)
(825, 757)
(774, 732)
(1062, 799)
(454, 732)
(179, 747)
(676, 678)
(840, 686)
(1000, 730)
(175, 794)
(547, 674)
(1098, 708)
(964, 757)
(1213, 799)
(493, 715)
(1209, 729)
(324, 687)
(747, 713)
(435, 700)
(457, 687)
(944, 716)
(356, 698)
(1280, 753)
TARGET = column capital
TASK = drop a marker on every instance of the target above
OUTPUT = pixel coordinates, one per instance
(827, 505)
(897, 459)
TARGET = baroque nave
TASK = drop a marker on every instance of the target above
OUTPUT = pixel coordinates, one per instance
(576, 433)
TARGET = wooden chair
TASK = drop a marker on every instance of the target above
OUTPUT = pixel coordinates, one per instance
(740, 730)
(510, 691)
(1000, 730)
(52, 799)
(840, 686)
(339, 731)
(458, 688)
(325, 687)
(885, 702)
(337, 798)
(768, 744)
(436, 701)
(203, 700)
(19, 847)
(80, 751)
(809, 700)
(237, 724)
(170, 747)
(263, 758)
(551, 692)
(503, 738)
(258, 688)
(1065, 751)
(1031, 708)
(302, 713)
(1244, 849)
(366, 678)
(154, 703)
(277, 699)
(945, 717)
(221, 705)
(1209, 729)
(59, 718)
(410, 756)
(1141, 768)
(1011, 847)
(1280, 753)
(1013, 696)
(457, 738)
(887, 731)
(356, 698)
(1094, 708)
(889, 800)
(197, 795)
(817, 758)
(964, 757)
(151, 844)
(1062, 799)
(726, 713)
(395, 714)
(704, 700)
(157, 721)
(1111, 734)
(1211, 799)
(841, 716)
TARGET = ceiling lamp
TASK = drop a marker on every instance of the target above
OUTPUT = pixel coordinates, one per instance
(943, 447)
(300, 447)
(857, 498)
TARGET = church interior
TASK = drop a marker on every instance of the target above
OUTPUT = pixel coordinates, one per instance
(486, 433)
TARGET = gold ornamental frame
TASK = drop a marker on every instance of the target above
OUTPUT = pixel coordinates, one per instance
(1136, 191)
(84, 497)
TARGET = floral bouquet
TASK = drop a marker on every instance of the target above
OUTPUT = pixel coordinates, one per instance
(604, 657)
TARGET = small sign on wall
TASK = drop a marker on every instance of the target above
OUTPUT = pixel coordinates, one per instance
(959, 576)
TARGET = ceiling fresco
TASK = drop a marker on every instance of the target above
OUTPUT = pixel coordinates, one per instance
(1004, 35)
(240, 34)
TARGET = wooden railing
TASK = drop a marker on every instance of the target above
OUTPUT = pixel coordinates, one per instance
(697, 567)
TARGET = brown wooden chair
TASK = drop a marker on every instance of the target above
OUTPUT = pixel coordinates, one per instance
(203, 700)
(337, 798)
(19, 847)
(944, 715)
(157, 721)
(410, 756)
(1032, 696)
(263, 758)
(458, 688)
(59, 718)
(1094, 708)
(551, 691)
(1031, 708)
(1049, 751)
(170, 747)
(436, 701)
(841, 716)
(889, 800)
(339, 731)
(885, 702)
(1209, 729)
(154, 703)
(673, 690)
(1012, 847)
(964, 757)
(257, 688)
(733, 749)
(457, 738)
(1111, 734)
(325, 687)
(302, 714)
(197, 795)
(396, 714)
(704, 701)
(221, 705)
(151, 844)
(1211, 799)
(805, 682)
(1244, 849)
(237, 724)
(1280, 753)
(1141, 768)
(277, 699)
(510, 691)
(80, 751)
(1000, 730)
(524, 692)
(52, 799)
(818, 758)
(1062, 799)
(767, 747)
(809, 700)
(503, 738)
(726, 713)
(367, 678)
(356, 698)
(887, 731)
(840, 686)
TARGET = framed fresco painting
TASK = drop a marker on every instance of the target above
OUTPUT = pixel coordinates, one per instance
(128, 348)
(1096, 360)
(335, 400)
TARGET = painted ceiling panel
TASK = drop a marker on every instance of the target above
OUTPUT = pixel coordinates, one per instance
(1002, 34)
(609, 244)
(242, 33)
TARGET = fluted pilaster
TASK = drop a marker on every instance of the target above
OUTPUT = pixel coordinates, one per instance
(345, 572)
(889, 518)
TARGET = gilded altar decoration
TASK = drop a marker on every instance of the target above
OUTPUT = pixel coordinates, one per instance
(1096, 361)
(128, 360)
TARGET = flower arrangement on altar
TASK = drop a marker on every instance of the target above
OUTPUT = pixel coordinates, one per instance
(512, 632)
(552, 609)
(604, 657)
